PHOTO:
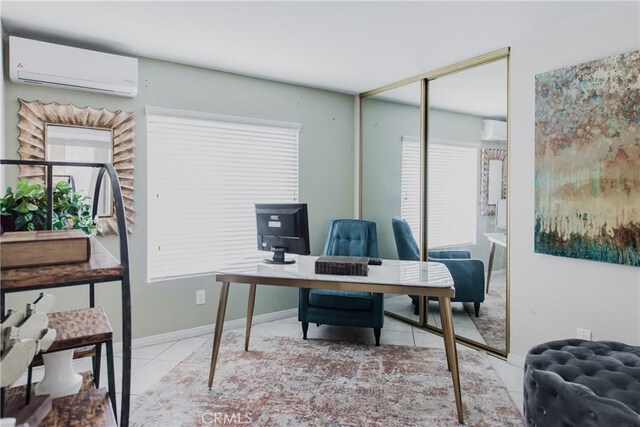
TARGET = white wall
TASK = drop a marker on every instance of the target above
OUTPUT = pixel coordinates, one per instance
(552, 296)
(384, 125)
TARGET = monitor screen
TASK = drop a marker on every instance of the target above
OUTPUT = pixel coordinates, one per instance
(283, 228)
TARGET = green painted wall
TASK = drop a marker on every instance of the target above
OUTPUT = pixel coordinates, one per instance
(326, 181)
(384, 125)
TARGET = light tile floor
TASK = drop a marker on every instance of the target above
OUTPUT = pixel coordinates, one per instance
(151, 363)
(464, 325)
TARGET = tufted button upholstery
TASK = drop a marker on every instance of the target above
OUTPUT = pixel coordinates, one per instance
(582, 383)
(352, 237)
(346, 237)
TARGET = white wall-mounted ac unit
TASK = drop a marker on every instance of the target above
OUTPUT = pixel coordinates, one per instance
(36, 62)
(494, 130)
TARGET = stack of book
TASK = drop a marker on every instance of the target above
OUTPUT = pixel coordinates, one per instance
(342, 265)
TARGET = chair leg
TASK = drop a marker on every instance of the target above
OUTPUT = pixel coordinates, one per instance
(376, 333)
(305, 328)
(476, 307)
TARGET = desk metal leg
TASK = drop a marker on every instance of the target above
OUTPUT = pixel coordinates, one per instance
(445, 336)
(250, 305)
(493, 251)
(448, 335)
(217, 336)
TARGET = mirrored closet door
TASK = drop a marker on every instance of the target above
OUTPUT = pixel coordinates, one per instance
(434, 178)
(466, 198)
(390, 176)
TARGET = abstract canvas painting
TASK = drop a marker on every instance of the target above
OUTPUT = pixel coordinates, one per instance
(587, 160)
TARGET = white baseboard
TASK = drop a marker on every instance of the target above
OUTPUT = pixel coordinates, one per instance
(514, 359)
(204, 330)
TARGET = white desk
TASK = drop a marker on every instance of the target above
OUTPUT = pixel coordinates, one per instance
(499, 239)
(392, 277)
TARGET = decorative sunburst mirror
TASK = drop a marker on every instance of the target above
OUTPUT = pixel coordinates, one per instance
(65, 132)
(494, 179)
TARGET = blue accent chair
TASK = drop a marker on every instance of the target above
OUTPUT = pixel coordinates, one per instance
(347, 237)
(407, 250)
(405, 243)
(467, 273)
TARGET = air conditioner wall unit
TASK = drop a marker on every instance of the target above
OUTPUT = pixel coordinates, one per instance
(494, 130)
(48, 64)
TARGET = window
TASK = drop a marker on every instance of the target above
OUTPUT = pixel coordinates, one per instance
(205, 173)
(452, 192)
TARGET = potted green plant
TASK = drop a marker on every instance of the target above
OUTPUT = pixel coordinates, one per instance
(25, 209)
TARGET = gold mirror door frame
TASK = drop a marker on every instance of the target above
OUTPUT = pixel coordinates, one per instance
(36, 116)
(391, 128)
(425, 79)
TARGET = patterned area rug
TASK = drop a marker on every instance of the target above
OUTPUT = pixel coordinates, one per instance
(492, 323)
(290, 382)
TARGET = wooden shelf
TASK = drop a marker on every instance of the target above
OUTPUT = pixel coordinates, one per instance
(102, 267)
(87, 408)
(79, 328)
(90, 407)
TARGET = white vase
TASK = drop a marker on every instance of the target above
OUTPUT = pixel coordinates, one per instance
(59, 377)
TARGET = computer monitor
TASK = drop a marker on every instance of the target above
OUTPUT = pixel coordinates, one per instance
(283, 228)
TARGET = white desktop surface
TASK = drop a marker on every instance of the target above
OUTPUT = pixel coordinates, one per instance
(391, 272)
(497, 238)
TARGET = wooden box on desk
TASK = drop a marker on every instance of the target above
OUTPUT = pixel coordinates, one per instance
(46, 247)
(342, 265)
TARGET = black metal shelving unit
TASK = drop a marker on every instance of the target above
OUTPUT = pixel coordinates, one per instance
(105, 169)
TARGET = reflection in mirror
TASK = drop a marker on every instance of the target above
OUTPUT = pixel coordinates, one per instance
(494, 191)
(494, 179)
(81, 144)
(391, 178)
(466, 180)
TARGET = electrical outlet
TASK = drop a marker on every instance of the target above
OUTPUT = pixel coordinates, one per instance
(200, 297)
(583, 334)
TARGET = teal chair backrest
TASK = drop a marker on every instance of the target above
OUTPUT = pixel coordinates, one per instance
(352, 237)
(405, 243)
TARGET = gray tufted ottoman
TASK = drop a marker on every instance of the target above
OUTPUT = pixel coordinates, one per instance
(582, 383)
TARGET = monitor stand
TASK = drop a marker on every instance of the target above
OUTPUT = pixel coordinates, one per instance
(278, 257)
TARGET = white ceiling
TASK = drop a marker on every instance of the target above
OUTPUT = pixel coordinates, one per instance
(481, 91)
(349, 47)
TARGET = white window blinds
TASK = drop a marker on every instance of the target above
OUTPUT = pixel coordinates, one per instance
(410, 187)
(452, 195)
(205, 173)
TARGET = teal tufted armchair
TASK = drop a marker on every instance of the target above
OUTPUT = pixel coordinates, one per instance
(467, 273)
(346, 237)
